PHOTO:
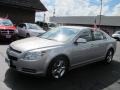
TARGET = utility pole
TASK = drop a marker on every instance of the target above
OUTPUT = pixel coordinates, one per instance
(44, 17)
(100, 13)
(54, 11)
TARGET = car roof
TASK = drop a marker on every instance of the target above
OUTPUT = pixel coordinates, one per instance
(76, 27)
(117, 32)
(4, 19)
(28, 23)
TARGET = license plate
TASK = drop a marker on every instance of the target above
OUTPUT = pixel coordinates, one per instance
(8, 36)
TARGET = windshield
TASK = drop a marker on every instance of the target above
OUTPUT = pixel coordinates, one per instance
(60, 34)
(6, 22)
(34, 26)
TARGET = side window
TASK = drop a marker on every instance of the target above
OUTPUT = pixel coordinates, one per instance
(31, 26)
(22, 26)
(86, 34)
(118, 32)
(98, 35)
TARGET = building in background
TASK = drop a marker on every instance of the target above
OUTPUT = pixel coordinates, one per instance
(109, 24)
(20, 11)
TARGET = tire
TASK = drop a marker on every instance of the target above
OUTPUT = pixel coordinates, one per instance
(118, 39)
(57, 68)
(109, 56)
(27, 35)
(15, 38)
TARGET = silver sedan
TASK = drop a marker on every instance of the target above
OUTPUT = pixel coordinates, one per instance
(60, 50)
(29, 30)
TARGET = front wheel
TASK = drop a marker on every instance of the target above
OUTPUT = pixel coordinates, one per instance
(109, 57)
(57, 68)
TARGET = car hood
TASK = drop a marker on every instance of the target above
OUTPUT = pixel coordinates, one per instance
(33, 43)
(8, 27)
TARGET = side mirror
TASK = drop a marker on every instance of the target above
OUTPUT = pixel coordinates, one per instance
(81, 40)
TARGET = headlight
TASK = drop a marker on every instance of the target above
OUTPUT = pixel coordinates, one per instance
(16, 31)
(33, 55)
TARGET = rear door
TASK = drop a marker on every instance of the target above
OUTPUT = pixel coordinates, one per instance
(99, 44)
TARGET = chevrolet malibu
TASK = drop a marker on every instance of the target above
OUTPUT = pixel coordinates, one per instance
(60, 50)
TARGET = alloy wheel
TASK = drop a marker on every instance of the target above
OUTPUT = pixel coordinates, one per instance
(109, 57)
(58, 69)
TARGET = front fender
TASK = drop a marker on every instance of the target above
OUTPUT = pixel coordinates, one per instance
(54, 53)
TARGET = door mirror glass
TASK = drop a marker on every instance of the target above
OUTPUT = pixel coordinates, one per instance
(81, 40)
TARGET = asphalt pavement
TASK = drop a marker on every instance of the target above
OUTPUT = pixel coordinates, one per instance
(95, 76)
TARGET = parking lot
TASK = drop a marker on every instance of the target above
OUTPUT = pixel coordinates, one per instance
(96, 76)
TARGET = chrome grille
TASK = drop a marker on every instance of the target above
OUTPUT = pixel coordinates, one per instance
(7, 31)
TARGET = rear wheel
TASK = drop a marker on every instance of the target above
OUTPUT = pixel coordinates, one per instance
(57, 68)
(109, 56)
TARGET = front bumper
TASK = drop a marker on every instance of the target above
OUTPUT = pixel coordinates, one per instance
(27, 67)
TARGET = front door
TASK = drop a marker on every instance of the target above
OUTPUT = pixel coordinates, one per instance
(83, 52)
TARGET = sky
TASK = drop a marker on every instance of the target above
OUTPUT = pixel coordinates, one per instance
(79, 8)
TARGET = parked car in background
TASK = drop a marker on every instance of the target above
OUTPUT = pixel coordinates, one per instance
(60, 50)
(7, 29)
(29, 29)
(116, 35)
(52, 25)
(46, 26)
